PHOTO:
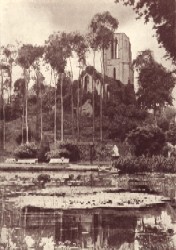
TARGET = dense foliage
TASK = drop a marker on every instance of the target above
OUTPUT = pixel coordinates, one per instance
(123, 119)
(162, 13)
(147, 140)
(42, 179)
(26, 151)
(67, 150)
(131, 165)
(155, 86)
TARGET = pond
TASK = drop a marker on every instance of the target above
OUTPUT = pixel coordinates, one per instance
(26, 224)
(39, 228)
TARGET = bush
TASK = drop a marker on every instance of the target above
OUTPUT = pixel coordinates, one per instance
(58, 153)
(43, 150)
(42, 179)
(131, 165)
(72, 148)
(26, 151)
(148, 140)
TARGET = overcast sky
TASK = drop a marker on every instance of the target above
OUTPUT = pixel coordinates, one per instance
(32, 21)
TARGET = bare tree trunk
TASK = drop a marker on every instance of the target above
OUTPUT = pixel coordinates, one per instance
(41, 114)
(38, 107)
(72, 103)
(2, 114)
(50, 87)
(10, 99)
(101, 98)
(93, 101)
(62, 109)
(4, 126)
(55, 113)
(22, 126)
(78, 107)
(26, 107)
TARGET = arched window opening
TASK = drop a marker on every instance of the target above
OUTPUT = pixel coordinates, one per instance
(114, 73)
(112, 49)
(116, 49)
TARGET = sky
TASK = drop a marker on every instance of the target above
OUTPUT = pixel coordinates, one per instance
(32, 21)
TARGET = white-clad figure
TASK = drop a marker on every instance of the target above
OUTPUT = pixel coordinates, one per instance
(115, 154)
(29, 242)
(115, 151)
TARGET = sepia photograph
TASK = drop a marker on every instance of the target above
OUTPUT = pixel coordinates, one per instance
(87, 124)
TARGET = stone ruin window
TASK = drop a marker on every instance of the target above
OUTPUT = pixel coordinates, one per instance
(114, 73)
(114, 49)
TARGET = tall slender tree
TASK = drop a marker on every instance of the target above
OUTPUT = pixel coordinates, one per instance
(39, 89)
(102, 27)
(20, 90)
(2, 129)
(80, 47)
(27, 55)
(57, 51)
(10, 53)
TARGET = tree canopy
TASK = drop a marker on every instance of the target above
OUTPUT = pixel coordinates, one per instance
(148, 140)
(155, 86)
(102, 27)
(57, 50)
(162, 13)
(28, 54)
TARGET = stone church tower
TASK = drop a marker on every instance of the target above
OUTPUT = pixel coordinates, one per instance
(118, 59)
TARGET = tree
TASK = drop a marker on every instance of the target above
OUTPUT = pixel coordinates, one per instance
(144, 58)
(155, 86)
(10, 53)
(123, 119)
(79, 46)
(57, 51)
(147, 140)
(39, 89)
(27, 56)
(102, 27)
(20, 91)
(162, 13)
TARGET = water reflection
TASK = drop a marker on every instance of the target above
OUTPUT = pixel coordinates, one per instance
(37, 228)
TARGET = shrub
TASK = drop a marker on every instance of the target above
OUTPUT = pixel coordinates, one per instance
(58, 153)
(42, 179)
(72, 148)
(28, 151)
(148, 140)
(131, 165)
(43, 150)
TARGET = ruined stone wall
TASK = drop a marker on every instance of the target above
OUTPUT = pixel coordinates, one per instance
(118, 59)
